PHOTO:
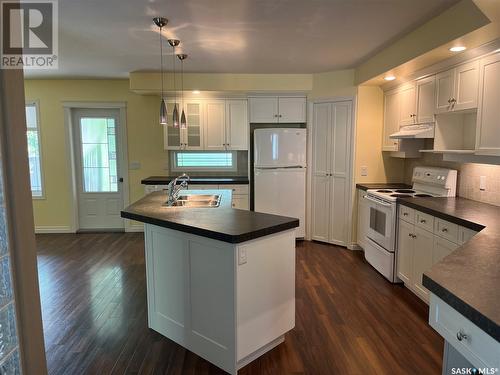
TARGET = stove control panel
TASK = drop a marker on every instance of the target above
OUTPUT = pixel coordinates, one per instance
(441, 177)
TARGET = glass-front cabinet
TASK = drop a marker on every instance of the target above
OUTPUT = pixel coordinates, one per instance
(190, 138)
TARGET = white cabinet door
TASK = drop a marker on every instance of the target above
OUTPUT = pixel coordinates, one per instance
(173, 138)
(445, 86)
(422, 260)
(425, 99)
(408, 112)
(405, 251)
(292, 110)
(488, 115)
(466, 86)
(263, 109)
(321, 208)
(215, 138)
(442, 248)
(193, 135)
(391, 120)
(237, 124)
(321, 140)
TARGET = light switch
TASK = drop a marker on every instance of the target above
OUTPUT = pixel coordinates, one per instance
(482, 183)
(364, 171)
(242, 256)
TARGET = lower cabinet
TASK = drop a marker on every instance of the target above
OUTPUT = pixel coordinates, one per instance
(424, 240)
(240, 194)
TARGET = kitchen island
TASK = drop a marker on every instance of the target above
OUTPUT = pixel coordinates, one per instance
(220, 281)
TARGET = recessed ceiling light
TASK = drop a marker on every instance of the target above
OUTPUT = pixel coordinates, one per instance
(389, 78)
(457, 49)
(196, 91)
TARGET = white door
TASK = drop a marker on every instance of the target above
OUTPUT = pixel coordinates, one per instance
(445, 86)
(97, 168)
(408, 111)
(406, 246)
(215, 137)
(339, 169)
(466, 86)
(237, 124)
(193, 135)
(263, 110)
(282, 191)
(422, 260)
(391, 120)
(322, 118)
(292, 110)
(426, 89)
(488, 131)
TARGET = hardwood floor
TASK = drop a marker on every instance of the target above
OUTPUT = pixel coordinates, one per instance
(349, 319)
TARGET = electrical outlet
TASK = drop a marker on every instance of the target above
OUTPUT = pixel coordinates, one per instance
(242, 256)
(364, 171)
(482, 183)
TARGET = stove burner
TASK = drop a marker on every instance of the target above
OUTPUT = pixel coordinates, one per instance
(400, 195)
(423, 195)
(405, 191)
(384, 191)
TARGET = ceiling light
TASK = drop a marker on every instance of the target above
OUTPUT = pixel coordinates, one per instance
(182, 57)
(389, 78)
(175, 114)
(196, 92)
(457, 49)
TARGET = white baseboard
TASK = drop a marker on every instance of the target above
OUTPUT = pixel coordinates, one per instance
(354, 246)
(53, 229)
(135, 228)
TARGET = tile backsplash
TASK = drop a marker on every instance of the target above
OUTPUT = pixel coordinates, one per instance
(469, 175)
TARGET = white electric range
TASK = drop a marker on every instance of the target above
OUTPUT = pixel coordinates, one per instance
(380, 245)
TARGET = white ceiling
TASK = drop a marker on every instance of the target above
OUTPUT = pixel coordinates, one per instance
(110, 38)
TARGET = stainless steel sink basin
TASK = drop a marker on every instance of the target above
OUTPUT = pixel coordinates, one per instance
(197, 201)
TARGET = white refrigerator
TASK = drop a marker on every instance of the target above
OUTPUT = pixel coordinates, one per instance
(280, 173)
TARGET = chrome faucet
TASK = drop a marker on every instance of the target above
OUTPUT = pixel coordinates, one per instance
(173, 190)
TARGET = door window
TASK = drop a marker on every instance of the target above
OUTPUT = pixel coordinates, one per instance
(377, 221)
(99, 161)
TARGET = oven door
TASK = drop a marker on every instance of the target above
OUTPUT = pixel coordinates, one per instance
(381, 222)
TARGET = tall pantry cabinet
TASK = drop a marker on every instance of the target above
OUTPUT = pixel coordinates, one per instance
(332, 126)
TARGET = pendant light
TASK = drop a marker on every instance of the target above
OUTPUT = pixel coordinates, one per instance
(182, 57)
(175, 115)
(161, 22)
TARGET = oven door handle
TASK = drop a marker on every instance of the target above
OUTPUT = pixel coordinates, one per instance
(376, 201)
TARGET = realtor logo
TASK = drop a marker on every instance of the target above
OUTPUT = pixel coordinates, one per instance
(29, 34)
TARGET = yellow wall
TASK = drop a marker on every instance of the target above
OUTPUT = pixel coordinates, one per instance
(145, 140)
(332, 84)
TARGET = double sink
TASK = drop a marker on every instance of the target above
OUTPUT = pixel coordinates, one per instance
(196, 201)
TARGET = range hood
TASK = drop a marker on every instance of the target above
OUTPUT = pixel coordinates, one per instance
(414, 131)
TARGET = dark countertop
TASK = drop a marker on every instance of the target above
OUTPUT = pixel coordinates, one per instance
(469, 278)
(223, 223)
(198, 180)
(388, 185)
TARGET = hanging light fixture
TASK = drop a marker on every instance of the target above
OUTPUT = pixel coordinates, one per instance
(175, 114)
(182, 57)
(161, 22)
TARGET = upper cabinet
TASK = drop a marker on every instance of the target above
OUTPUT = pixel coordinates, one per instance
(212, 124)
(392, 101)
(457, 88)
(488, 115)
(408, 110)
(190, 138)
(425, 91)
(274, 109)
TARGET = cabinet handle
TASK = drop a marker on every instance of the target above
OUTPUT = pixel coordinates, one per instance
(405, 213)
(414, 236)
(461, 335)
(275, 115)
(449, 101)
(422, 221)
(280, 116)
(444, 230)
(453, 100)
(410, 235)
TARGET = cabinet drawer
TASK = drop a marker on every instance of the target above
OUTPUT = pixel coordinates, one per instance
(445, 229)
(465, 234)
(236, 189)
(479, 348)
(407, 214)
(424, 221)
